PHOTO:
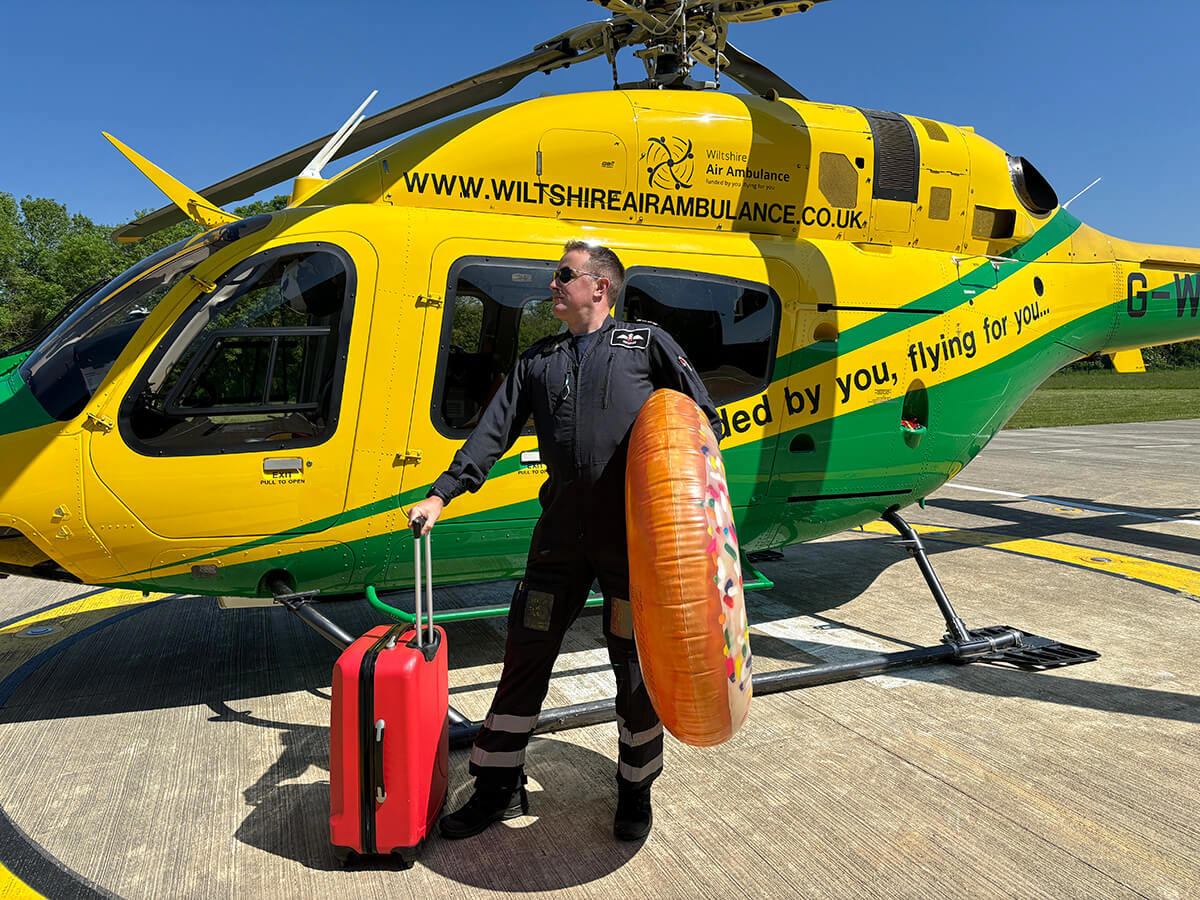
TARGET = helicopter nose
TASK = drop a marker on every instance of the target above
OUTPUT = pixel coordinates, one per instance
(33, 458)
(22, 421)
(19, 409)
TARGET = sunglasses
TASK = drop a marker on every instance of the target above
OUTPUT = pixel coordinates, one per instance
(565, 275)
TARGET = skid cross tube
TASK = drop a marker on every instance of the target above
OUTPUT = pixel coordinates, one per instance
(956, 629)
(300, 606)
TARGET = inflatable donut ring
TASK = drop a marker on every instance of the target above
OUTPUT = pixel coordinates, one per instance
(685, 580)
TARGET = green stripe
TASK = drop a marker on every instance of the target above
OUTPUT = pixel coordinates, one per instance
(1164, 320)
(10, 363)
(19, 411)
(967, 411)
(758, 521)
(944, 299)
(850, 464)
(387, 504)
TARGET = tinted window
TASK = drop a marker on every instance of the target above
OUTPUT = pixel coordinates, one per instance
(66, 369)
(256, 360)
(496, 310)
(726, 326)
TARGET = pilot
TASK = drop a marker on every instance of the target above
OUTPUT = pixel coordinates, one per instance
(584, 388)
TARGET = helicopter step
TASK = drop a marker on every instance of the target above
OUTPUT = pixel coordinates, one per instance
(1035, 653)
(1028, 651)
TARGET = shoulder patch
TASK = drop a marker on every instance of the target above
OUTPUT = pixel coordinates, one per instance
(630, 338)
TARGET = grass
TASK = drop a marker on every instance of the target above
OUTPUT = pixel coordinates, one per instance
(1103, 397)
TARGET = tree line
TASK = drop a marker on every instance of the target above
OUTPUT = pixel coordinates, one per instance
(49, 255)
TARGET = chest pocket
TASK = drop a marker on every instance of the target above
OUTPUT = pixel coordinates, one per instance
(554, 371)
(607, 390)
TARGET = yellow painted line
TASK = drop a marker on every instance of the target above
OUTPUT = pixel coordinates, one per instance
(13, 888)
(1175, 578)
(98, 602)
(71, 617)
(67, 620)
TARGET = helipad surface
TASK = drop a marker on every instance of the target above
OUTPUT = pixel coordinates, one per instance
(159, 747)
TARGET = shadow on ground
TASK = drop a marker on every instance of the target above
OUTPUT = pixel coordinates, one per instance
(572, 799)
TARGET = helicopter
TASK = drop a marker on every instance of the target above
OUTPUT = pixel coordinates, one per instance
(868, 296)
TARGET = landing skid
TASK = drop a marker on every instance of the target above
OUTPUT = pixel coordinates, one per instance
(997, 644)
(1026, 651)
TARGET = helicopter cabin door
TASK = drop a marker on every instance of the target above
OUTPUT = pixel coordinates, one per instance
(725, 312)
(241, 421)
(496, 304)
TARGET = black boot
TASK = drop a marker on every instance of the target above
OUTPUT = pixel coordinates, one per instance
(634, 816)
(488, 804)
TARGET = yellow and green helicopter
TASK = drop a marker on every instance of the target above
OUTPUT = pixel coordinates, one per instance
(868, 295)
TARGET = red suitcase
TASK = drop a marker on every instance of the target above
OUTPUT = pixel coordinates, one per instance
(389, 740)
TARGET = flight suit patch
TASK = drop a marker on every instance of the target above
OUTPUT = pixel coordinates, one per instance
(630, 338)
(538, 607)
(621, 620)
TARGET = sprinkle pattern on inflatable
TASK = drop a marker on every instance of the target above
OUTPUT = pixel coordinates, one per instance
(685, 578)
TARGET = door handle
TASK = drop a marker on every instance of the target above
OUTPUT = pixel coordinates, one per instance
(289, 464)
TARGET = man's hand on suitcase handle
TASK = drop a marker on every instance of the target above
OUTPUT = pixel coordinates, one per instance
(423, 515)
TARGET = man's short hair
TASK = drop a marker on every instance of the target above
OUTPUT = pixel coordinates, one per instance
(604, 261)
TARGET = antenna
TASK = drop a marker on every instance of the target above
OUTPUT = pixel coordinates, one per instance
(1081, 193)
(313, 169)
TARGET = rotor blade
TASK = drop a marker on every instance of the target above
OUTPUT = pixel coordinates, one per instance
(443, 102)
(754, 76)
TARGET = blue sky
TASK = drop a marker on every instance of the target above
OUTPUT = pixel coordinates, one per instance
(1083, 89)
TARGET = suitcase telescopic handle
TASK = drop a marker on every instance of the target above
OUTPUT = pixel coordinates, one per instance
(418, 525)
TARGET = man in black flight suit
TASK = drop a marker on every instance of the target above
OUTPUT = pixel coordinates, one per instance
(584, 388)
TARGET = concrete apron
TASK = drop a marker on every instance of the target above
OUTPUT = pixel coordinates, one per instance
(158, 747)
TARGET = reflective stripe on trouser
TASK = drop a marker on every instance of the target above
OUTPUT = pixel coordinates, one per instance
(544, 605)
(639, 731)
(504, 729)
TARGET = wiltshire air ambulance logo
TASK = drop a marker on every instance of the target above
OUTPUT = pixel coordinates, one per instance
(669, 163)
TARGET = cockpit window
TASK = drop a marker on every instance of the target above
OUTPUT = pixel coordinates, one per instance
(257, 360)
(1033, 190)
(66, 369)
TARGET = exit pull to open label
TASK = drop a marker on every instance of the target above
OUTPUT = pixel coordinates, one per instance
(282, 478)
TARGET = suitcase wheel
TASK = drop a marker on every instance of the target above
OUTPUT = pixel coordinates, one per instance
(406, 857)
